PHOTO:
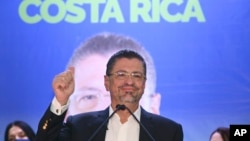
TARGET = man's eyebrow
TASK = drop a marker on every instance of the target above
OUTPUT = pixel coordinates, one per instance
(121, 71)
(89, 89)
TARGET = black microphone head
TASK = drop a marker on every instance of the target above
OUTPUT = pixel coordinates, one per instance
(120, 107)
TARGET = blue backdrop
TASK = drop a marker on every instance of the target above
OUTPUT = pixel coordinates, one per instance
(201, 50)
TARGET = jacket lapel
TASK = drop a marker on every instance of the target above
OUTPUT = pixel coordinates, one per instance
(147, 121)
(100, 119)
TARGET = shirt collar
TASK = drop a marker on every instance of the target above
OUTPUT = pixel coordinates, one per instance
(137, 112)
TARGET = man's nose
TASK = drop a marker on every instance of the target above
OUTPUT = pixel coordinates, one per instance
(129, 79)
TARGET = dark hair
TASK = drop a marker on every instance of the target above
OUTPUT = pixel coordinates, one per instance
(223, 131)
(124, 54)
(24, 126)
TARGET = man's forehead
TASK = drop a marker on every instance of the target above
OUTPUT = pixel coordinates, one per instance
(106, 55)
(96, 56)
(91, 62)
(132, 63)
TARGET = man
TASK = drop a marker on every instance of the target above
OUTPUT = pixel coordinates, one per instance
(125, 80)
(89, 61)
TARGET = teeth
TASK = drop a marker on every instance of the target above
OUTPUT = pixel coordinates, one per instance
(128, 92)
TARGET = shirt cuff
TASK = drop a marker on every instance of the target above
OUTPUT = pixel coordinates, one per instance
(56, 107)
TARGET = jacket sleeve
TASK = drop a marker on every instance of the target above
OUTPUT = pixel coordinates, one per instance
(179, 133)
(49, 126)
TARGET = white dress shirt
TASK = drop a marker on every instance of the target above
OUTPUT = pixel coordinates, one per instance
(128, 131)
(56, 107)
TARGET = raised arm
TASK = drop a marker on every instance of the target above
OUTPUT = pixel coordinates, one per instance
(52, 121)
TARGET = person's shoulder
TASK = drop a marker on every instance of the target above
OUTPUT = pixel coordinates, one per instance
(161, 119)
(88, 116)
(166, 127)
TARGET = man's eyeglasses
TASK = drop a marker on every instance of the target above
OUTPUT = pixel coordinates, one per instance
(122, 75)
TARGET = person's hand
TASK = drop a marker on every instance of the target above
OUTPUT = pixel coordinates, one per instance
(63, 85)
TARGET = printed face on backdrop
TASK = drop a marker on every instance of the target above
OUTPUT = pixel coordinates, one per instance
(90, 93)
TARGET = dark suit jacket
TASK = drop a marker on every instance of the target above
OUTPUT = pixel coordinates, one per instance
(81, 127)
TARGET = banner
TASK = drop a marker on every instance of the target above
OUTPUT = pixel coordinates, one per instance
(200, 51)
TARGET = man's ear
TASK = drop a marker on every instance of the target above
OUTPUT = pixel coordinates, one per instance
(106, 82)
(155, 103)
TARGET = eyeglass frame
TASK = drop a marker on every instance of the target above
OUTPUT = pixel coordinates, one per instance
(127, 74)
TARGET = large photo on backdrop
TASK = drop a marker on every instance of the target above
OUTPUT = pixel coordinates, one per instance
(198, 55)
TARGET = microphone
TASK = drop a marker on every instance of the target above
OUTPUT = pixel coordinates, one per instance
(118, 107)
(121, 107)
(143, 127)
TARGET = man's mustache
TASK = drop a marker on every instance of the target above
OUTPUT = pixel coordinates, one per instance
(125, 86)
